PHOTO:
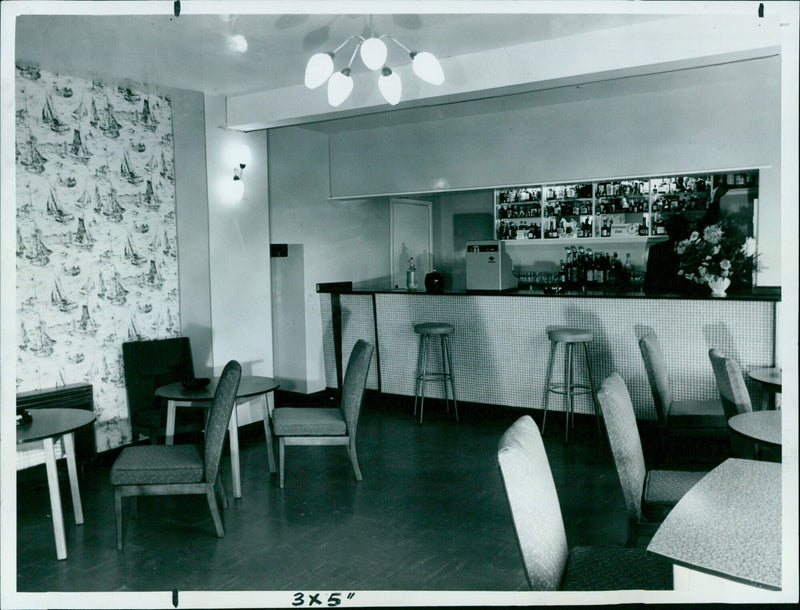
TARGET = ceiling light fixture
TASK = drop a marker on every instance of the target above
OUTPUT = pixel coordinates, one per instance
(320, 68)
(239, 43)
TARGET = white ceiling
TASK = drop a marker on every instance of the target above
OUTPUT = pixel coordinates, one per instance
(195, 51)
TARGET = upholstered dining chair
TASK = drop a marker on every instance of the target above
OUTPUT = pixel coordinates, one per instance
(730, 382)
(180, 469)
(735, 399)
(326, 425)
(649, 495)
(536, 514)
(676, 415)
(148, 365)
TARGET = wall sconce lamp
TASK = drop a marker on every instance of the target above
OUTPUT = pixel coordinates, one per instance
(237, 189)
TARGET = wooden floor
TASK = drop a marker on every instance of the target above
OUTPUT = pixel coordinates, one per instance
(430, 514)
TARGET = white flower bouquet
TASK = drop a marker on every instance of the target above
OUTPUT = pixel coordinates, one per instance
(717, 257)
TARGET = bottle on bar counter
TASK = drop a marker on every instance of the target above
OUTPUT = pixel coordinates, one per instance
(589, 267)
(599, 271)
(573, 269)
(615, 270)
(628, 268)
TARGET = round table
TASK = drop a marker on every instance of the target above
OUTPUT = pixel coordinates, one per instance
(770, 378)
(250, 387)
(46, 426)
(760, 426)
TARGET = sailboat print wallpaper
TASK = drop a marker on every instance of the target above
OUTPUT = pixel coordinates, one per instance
(96, 252)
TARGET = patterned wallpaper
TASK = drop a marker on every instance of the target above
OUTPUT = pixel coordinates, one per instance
(96, 252)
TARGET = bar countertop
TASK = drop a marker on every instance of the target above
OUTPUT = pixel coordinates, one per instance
(762, 293)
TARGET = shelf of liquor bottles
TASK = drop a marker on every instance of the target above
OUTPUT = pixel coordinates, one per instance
(630, 208)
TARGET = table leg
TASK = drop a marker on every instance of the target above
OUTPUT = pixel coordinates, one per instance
(170, 432)
(233, 433)
(69, 449)
(268, 433)
(55, 498)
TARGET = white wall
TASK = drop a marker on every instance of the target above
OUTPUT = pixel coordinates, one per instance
(341, 240)
(239, 262)
(718, 117)
(191, 202)
(289, 320)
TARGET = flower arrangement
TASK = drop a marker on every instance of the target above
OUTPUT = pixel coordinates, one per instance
(717, 257)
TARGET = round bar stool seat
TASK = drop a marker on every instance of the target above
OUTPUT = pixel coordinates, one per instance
(433, 328)
(569, 337)
(428, 331)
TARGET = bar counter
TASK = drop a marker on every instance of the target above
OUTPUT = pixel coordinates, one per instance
(500, 346)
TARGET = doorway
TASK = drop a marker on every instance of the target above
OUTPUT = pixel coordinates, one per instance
(411, 238)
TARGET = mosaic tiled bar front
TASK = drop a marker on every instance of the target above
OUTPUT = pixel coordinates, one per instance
(500, 346)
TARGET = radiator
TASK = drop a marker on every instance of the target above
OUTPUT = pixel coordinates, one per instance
(73, 396)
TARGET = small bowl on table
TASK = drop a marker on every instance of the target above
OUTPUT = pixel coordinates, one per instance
(195, 383)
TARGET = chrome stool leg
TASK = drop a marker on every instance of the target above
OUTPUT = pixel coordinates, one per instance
(591, 384)
(442, 339)
(568, 392)
(547, 382)
(419, 372)
(424, 375)
(446, 340)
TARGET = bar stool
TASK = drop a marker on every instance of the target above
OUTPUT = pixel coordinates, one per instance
(569, 337)
(428, 332)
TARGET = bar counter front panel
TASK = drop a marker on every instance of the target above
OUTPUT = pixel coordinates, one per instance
(500, 346)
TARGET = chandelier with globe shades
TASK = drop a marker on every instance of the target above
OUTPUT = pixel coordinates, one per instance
(373, 51)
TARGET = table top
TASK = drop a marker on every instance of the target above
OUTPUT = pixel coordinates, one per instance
(762, 426)
(728, 524)
(249, 385)
(769, 375)
(53, 422)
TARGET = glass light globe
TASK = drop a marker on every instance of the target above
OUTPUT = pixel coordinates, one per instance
(318, 69)
(339, 87)
(427, 67)
(239, 43)
(390, 86)
(373, 53)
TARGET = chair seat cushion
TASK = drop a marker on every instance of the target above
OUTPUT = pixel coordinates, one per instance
(696, 414)
(158, 464)
(308, 421)
(663, 489)
(615, 569)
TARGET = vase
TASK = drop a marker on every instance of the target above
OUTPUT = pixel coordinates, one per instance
(718, 286)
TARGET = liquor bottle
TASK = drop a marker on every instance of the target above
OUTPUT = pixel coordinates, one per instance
(599, 270)
(628, 268)
(589, 267)
(643, 230)
(562, 274)
(568, 267)
(616, 270)
(660, 226)
(573, 270)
